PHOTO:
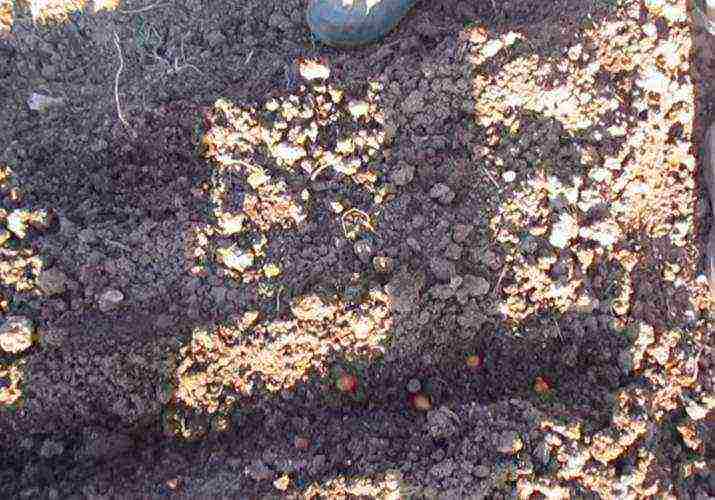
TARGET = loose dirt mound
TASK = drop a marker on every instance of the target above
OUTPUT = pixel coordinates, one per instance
(464, 262)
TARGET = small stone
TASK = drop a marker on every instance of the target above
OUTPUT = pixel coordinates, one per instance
(383, 264)
(353, 293)
(695, 410)
(620, 306)
(289, 153)
(41, 220)
(282, 482)
(404, 290)
(438, 455)
(491, 48)
(661, 353)
(508, 443)
(258, 471)
(455, 282)
(529, 245)
(645, 334)
(218, 293)
(17, 223)
(509, 176)
(42, 102)
(271, 270)
(100, 443)
(413, 104)
(600, 174)
(654, 81)
(413, 244)
(404, 175)
(575, 52)
(363, 327)
(481, 471)
(347, 166)
(257, 179)
(318, 464)
(453, 252)
(542, 453)
(110, 299)
(215, 39)
(312, 308)
(439, 190)
(279, 20)
(87, 236)
(492, 260)
(49, 71)
(575, 464)
(313, 70)
(249, 318)
(564, 231)
(461, 232)
(414, 386)
(570, 354)
(236, 259)
(605, 233)
(585, 304)
(443, 193)
(364, 250)
(52, 336)
(443, 423)
(442, 292)
(442, 268)
(335, 94)
(16, 334)
(272, 105)
(99, 145)
(52, 282)
(475, 286)
(358, 108)
(443, 469)
(51, 448)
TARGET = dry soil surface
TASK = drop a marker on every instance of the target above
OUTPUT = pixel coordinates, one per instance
(464, 262)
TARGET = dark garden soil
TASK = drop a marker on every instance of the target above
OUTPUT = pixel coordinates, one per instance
(464, 262)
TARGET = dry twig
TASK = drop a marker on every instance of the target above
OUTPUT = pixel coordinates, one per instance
(175, 68)
(501, 277)
(317, 171)
(118, 245)
(248, 59)
(490, 177)
(144, 9)
(558, 331)
(116, 80)
(278, 300)
(366, 221)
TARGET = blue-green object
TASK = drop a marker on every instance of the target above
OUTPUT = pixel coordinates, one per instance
(350, 23)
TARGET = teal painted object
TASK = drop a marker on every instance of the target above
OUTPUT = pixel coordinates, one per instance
(350, 23)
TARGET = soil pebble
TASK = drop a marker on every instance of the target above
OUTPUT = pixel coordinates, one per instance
(16, 334)
(414, 386)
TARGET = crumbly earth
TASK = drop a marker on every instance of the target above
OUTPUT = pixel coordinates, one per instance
(464, 262)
